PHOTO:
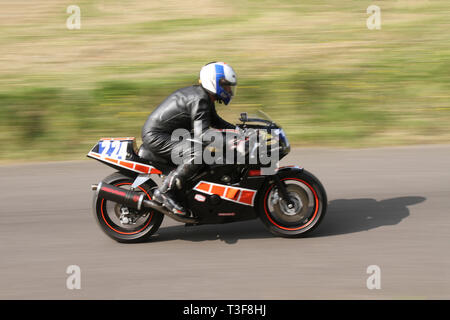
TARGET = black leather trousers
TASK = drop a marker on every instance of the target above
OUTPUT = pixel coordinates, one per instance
(162, 145)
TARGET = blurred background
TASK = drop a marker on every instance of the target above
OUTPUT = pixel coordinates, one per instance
(312, 65)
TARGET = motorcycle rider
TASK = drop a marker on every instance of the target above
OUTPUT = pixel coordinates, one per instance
(179, 111)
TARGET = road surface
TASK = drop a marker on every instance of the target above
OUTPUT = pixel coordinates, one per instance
(388, 207)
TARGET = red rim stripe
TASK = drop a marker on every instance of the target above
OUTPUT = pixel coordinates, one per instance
(301, 227)
(121, 232)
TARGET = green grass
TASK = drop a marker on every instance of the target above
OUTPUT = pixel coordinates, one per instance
(313, 66)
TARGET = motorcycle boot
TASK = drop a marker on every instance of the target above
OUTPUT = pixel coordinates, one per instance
(176, 179)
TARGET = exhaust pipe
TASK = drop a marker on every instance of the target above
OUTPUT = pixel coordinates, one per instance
(134, 200)
(128, 198)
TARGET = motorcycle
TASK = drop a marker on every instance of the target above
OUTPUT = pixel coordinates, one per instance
(290, 202)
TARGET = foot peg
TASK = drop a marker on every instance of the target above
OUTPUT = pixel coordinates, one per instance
(165, 200)
(152, 204)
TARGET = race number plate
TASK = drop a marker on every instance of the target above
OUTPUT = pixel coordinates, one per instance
(115, 149)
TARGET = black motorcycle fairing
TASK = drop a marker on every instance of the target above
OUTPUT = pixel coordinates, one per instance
(121, 154)
(210, 208)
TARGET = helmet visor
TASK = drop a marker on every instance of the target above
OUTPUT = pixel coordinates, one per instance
(228, 87)
(231, 90)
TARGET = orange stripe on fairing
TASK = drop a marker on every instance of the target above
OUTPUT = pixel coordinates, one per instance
(247, 197)
(112, 160)
(155, 171)
(142, 168)
(218, 190)
(203, 187)
(238, 195)
(232, 194)
(126, 164)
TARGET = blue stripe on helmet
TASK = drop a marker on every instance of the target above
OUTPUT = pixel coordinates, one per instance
(220, 73)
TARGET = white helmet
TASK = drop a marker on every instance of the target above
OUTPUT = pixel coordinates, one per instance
(219, 79)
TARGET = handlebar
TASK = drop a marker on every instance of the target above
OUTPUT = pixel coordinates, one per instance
(244, 118)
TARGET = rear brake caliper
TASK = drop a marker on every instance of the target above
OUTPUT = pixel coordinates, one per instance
(128, 216)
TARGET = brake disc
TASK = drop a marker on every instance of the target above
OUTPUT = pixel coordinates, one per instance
(299, 211)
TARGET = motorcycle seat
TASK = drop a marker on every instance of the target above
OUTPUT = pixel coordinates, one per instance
(146, 154)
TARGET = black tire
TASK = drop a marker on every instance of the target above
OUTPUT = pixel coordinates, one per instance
(310, 201)
(106, 215)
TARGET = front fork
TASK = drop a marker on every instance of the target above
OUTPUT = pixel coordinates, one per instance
(281, 186)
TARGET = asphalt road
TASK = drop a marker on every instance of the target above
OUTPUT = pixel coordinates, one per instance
(388, 207)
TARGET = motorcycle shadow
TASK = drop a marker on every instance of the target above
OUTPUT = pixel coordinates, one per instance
(229, 233)
(343, 216)
(356, 215)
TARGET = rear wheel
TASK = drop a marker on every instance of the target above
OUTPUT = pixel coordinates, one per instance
(125, 224)
(308, 199)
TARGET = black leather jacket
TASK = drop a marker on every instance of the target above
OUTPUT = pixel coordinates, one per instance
(181, 109)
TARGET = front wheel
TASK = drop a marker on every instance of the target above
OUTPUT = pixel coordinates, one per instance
(309, 201)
